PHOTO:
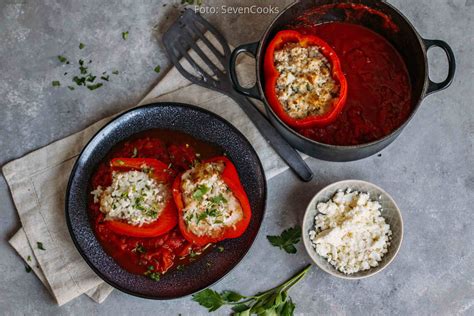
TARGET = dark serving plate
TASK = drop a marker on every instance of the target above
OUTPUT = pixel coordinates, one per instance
(202, 125)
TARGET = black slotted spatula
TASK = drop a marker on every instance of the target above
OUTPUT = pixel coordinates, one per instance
(181, 44)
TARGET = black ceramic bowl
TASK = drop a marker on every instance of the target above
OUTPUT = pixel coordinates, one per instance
(194, 121)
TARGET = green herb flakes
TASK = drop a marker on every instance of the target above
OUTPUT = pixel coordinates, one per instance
(220, 249)
(155, 276)
(218, 199)
(90, 78)
(140, 249)
(80, 81)
(81, 45)
(125, 35)
(157, 69)
(94, 86)
(105, 78)
(115, 72)
(40, 246)
(135, 152)
(56, 83)
(200, 191)
(62, 59)
(27, 268)
(28, 258)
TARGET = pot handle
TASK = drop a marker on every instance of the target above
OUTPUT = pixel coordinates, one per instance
(438, 86)
(250, 48)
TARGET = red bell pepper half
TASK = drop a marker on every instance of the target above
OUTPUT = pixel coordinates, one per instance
(157, 169)
(271, 75)
(168, 217)
(231, 179)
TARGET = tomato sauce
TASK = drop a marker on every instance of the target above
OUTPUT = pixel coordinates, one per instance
(156, 254)
(379, 90)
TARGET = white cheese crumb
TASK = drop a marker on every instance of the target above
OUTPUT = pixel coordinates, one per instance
(133, 197)
(305, 85)
(350, 232)
(210, 206)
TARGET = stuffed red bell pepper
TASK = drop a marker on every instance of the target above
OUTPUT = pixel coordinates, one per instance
(139, 201)
(304, 82)
(211, 201)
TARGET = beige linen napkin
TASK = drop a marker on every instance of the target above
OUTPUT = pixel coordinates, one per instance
(38, 181)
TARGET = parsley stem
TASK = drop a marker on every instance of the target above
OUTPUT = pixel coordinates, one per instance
(282, 287)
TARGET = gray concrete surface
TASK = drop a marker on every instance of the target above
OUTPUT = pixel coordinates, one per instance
(429, 170)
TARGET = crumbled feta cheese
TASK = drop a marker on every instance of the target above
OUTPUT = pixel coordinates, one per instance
(133, 197)
(350, 231)
(210, 206)
(305, 85)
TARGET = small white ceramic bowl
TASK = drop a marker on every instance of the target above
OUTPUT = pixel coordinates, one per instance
(390, 212)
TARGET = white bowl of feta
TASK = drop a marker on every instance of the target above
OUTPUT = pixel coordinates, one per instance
(352, 229)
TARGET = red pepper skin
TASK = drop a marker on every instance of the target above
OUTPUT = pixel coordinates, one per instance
(231, 179)
(159, 170)
(271, 75)
(168, 217)
(165, 222)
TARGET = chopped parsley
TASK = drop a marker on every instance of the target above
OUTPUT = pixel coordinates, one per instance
(180, 267)
(218, 199)
(157, 69)
(201, 217)
(155, 276)
(212, 213)
(40, 246)
(152, 214)
(90, 78)
(200, 191)
(82, 68)
(80, 81)
(83, 75)
(27, 269)
(125, 35)
(28, 258)
(62, 59)
(94, 86)
(220, 249)
(139, 248)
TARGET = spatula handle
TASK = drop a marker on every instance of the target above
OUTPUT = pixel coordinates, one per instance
(271, 135)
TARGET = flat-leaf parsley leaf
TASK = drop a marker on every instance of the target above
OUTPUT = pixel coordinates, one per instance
(271, 302)
(287, 239)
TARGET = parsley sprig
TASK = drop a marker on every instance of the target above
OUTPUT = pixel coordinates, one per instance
(287, 239)
(271, 302)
